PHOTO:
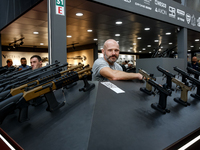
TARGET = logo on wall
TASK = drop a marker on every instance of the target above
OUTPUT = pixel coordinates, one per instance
(193, 21)
(172, 12)
(128, 1)
(188, 18)
(147, 2)
(198, 22)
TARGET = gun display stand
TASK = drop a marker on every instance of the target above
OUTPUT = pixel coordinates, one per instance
(180, 101)
(147, 90)
(87, 86)
(161, 106)
(55, 100)
(197, 95)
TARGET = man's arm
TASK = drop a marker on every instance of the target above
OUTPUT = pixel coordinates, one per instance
(119, 75)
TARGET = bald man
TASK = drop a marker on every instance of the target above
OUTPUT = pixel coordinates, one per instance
(106, 68)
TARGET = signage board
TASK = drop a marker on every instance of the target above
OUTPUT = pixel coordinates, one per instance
(164, 10)
(60, 7)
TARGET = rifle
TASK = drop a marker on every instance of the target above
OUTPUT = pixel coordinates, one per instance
(161, 106)
(148, 89)
(168, 75)
(194, 81)
(43, 80)
(166, 53)
(20, 81)
(21, 100)
(154, 55)
(26, 74)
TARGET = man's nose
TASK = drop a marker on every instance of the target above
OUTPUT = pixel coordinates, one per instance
(113, 52)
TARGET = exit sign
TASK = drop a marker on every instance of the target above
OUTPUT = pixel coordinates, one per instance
(60, 7)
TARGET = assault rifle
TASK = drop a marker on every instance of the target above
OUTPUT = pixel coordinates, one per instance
(26, 74)
(18, 82)
(193, 80)
(163, 93)
(148, 89)
(43, 80)
(21, 100)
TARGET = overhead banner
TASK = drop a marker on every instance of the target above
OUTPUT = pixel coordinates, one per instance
(164, 10)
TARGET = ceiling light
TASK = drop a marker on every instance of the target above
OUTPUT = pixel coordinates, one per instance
(69, 36)
(117, 34)
(131, 47)
(161, 47)
(146, 29)
(156, 40)
(170, 43)
(129, 50)
(144, 49)
(79, 14)
(149, 52)
(189, 50)
(148, 45)
(168, 33)
(35, 32)
(140, 51)
(101, 48)
(196, 40)
(139, 38)
(41, 43)
(89, 30)
(95, 39)
(118, 22)
(117, 41)
(134, 43)
(192, 46)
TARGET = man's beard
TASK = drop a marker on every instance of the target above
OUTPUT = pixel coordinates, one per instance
(110, 61)
(24, 65)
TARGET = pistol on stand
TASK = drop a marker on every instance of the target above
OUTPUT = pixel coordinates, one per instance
(148, 89)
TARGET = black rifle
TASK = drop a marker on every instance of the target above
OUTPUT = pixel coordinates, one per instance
(168, 75)
(21, 100)
(42, 80)
(166, 53)
(156, 50)
(194, 81)
(163, 93)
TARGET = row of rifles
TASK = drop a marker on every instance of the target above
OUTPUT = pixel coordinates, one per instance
(20, 89)
(187, 84)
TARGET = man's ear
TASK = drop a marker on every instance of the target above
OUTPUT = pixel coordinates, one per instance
(102, 51)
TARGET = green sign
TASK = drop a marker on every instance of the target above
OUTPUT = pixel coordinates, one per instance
(60, 3)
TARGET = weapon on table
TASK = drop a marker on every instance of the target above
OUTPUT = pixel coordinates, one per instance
(43, 80)
(193, 80)
(163, 93)
(168, 75)
(193, 71)
(21, 100)
(148, 89)
(18, 82)
(26, 74)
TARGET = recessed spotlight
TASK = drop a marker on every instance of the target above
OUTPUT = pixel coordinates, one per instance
(129, 50)
(89, 30)
(189, 50)
(149, 52)
(168, 33)
(134, 43)
(140, 51)
(69, 36)
(117, 41)
(101, 48)
(95, 39)
(139, 38)
(117, 34)
(79, 14)
(191, 46)
(35, 32)
(161, 47)
(156, 40)
(131, 47)
(170, 43)
(118, 22)
(196, 40)
(146, 29)
(148, 45)
(41, 43)
(144, 49)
